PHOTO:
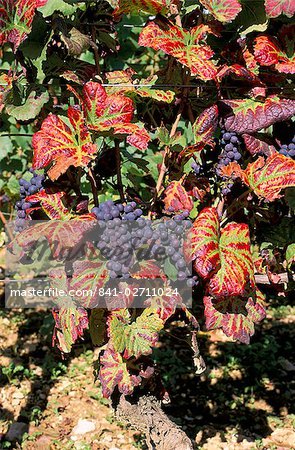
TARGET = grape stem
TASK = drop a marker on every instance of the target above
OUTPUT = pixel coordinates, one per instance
(118, 170)
(91, 178)
(2, 218)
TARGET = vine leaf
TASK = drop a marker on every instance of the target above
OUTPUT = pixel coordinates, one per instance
(223, 10)
(203, 129)
(183, 45)
(204, 242)
(112, 112)
(16, 19)
(60, 234)
(176, 198)
(136, 6)
(235, 315)
(148, 270)
(30, 109)
(267, 177)
(267, 52)
(136, 338)
(249, 116)
(275, 8)
(70, 324)
(113, 372)
(236, 270)
(258, 144)
(53, 204)
(6, 81)
(89, 276)
(121, 77)
(57, 143)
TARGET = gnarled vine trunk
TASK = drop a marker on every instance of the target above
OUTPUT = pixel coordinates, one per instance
(148, 417)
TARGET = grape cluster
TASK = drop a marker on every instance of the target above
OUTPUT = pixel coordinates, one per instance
(196, 168)
(288, 150)
(125, 238)
(230, 148)
(109, 211)
(27, 187)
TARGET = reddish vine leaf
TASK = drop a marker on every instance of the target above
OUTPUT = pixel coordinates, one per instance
(275, 8)
(235, 315)
(183, 45)
(258, 144)
(148, 270)
(88, 277)
(236, 270)
(267, 177)
(6, 81)
(70, 324)
(165, 304)
(176, 198)
(204, 241)
(137, 6)
(52, 204)
(136, 338)
(249, 116)
(16, 19)
(267, 52)
(238, 71)
(60, 234)
(112, 112)
(223, 10)
(119, 78)
(203, 129)
(57, 143)
(114, 372)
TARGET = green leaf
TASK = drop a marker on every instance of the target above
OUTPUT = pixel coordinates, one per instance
(30, 109)
(12, 187)
(58, 5)
(6, 146)
(136, 338)
(290, 255)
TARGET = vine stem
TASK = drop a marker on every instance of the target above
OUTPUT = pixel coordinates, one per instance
(95, 50)
(118, 170)
(163, 169)
(3, 219)
(91, 178)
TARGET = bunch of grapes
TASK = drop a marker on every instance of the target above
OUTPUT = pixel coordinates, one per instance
(288, 150)
(30, 187)
(123, 233)
(196, 168)
(230, 149)
(110, 210)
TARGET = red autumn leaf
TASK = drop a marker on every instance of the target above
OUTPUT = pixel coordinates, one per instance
(176, 198)
(112, 112)
(275, 8)
(148, 270)
(204, 242)
(183, 45)
(114, 372)
(267, 52)
(51, 203)
(136, 6)
(267, 177)
(235, 315)
(258, 144)
(203, 129)
(57, 143)
(249, 116)
(16, 19)
(89, 275)
(70, 324)
(6, 81)
(60, 234)
(223, 10)
(239, 71)
(165, 304)
(236, 270)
